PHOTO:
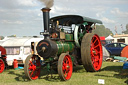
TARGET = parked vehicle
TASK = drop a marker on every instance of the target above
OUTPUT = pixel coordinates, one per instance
(18, 48)
(115, 48)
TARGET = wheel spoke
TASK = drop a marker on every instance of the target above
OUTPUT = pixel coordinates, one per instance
(94, 41)
(31, 73)
(96, 46)
(95, 61)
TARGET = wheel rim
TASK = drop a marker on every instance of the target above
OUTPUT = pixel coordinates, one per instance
(34, 68)
(67, 67)
(96, 52)
(2, 66)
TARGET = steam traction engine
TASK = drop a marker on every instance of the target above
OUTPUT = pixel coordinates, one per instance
(68, 41)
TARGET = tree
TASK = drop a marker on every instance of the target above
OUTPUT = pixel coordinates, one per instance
(127, 26)
(126, 32)
(12, 36)
(1, 37)
(102, 31)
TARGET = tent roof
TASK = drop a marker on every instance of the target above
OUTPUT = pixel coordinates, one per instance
(20, 41)
(109, 38)
(1, 42)
(105, 52)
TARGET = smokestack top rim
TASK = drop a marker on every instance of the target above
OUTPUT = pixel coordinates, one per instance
(45, 9)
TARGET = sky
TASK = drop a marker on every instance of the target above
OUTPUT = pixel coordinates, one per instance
(24, 17)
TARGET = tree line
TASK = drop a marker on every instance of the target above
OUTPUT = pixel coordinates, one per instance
(102, 31)
(126, 31)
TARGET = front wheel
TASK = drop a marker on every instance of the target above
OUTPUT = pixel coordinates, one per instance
(91, 52)
(65, 67)
(2, 65)
(32, 67)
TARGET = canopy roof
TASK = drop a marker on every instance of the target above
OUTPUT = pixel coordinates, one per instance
(109, 38)
(74, 19)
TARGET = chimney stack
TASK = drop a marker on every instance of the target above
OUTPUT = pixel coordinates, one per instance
(46, 20)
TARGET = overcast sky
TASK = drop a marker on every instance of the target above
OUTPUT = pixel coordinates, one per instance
(24, 18)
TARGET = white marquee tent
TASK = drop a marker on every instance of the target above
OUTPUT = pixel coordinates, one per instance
(109, 38)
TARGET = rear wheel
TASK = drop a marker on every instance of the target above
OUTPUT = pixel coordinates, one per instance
(65, 67)
(32, 67)
(2, 65)
(91, 52)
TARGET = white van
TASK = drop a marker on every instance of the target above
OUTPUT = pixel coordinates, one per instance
(18, 48)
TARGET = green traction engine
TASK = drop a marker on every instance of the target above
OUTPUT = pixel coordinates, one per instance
(68, 41)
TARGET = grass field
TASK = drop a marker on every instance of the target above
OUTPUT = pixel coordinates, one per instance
(112, 73)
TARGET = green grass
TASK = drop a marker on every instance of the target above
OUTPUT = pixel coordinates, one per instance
(112, 73)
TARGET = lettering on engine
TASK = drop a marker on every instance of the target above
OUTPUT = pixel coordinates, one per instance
(43, 43)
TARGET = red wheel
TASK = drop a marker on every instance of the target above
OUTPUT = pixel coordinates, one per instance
(91, 52)
(65, 67)
(32, 67)
(2, 65)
